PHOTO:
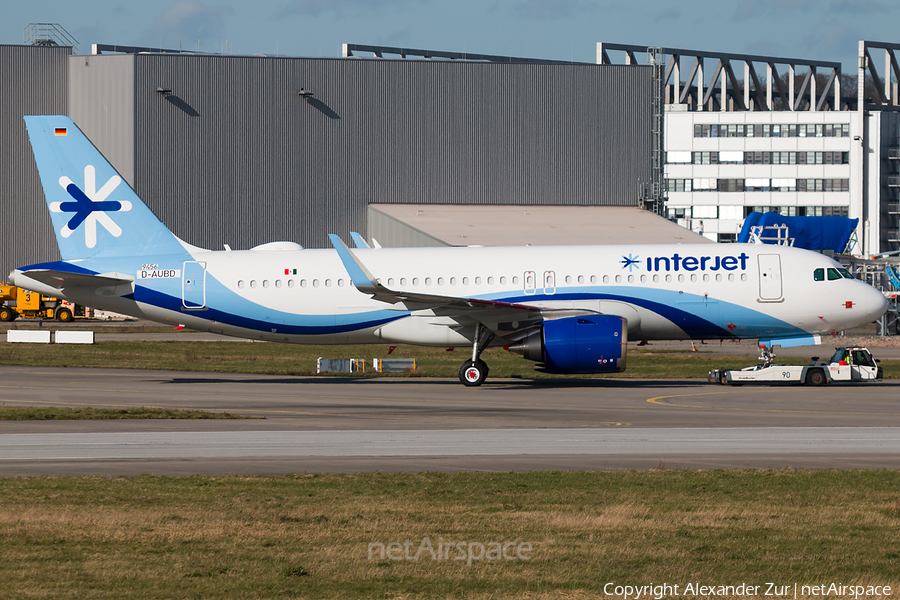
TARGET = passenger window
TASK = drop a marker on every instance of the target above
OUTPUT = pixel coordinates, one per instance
(833, 274)
(819, 275)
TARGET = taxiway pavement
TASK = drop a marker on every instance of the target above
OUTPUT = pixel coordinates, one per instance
(325, 424)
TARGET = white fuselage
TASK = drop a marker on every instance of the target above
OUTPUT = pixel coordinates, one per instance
(280, 292)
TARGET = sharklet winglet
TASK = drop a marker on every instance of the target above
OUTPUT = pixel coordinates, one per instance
(360, 276)
(358, 240)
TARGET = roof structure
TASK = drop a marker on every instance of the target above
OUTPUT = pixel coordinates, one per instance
(486, 225)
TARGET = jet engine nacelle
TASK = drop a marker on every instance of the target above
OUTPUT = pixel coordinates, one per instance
(589, 344)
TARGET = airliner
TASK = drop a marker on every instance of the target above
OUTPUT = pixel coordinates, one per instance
(571, 309)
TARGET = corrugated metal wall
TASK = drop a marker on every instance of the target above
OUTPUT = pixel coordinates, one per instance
(33, 81)
(101, 101)
(235, 156)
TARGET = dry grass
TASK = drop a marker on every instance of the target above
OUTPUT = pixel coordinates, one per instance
(34, 413)
(309, 536)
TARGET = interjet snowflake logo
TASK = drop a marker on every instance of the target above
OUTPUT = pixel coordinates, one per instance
(630, 262)
(90, 206)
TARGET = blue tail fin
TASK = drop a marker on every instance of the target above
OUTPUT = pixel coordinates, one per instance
(94, 212)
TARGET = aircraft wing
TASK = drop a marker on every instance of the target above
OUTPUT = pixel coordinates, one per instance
(495, 314)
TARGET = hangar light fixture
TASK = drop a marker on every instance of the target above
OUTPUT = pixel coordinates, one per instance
(306, 94)
(163, 91)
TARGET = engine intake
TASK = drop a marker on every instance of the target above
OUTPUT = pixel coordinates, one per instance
(589, 344)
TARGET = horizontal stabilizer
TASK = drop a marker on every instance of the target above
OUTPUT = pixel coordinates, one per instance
(63, 279)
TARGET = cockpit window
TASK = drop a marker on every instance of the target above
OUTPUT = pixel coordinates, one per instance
(845, 274)
(819, 275)
(833, 274)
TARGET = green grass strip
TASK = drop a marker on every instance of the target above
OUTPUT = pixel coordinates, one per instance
(290, 359)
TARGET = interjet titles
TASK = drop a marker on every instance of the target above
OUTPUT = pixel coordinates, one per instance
(676, 262)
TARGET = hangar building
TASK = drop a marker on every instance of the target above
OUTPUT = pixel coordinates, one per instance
(244, 150)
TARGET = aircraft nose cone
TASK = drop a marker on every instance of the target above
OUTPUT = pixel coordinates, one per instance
(876, 304)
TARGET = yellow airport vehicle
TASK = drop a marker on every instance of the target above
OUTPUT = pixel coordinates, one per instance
(16, 302)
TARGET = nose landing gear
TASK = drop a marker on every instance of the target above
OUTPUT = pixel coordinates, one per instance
(474, 372)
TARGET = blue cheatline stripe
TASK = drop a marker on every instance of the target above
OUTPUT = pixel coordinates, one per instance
(664, 305)
(295, 324)
(62, 266)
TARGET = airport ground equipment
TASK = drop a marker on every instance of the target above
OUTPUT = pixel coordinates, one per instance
(17, 302)
(850, 364)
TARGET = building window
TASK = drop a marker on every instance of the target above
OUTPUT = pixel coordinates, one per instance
(773, 130)
(734, 157)
(735, 213)
(679, 212)
(705, 212)
(678, 157)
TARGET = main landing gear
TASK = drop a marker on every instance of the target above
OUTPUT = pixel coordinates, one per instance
(474, 372)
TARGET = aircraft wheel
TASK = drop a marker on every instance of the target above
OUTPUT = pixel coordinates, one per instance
(815, 377)
(64, 315)
(473, 373)
(7, 314)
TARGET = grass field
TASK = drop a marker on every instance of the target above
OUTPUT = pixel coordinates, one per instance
(286, 359)
(311, 536)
